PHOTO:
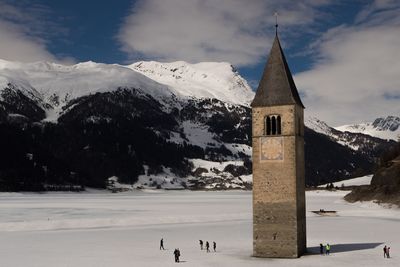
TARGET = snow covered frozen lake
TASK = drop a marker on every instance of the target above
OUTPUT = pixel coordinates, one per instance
(104, 229)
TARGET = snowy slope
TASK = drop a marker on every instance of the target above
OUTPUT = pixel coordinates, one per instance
(323, 128)
(70, 82)
(384, 128)
(58, 84)
(364, 180)
(8, 75)
(318, 125)
(203, 80)
(356, 140)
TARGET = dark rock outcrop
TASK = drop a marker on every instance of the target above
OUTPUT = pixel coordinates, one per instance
(384, 187)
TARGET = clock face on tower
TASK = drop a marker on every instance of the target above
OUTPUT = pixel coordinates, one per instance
(271, 148)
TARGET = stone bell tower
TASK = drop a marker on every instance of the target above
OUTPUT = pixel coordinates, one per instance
(279, 221)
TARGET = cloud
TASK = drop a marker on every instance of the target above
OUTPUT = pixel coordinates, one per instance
(378, 11)
(209, 30)
(24, 31)
(356, 74)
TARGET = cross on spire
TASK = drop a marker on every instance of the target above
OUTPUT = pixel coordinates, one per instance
(276, 22)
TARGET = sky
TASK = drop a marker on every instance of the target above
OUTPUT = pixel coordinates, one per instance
(344, 55)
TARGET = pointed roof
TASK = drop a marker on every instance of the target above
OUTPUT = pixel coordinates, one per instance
(276, 86)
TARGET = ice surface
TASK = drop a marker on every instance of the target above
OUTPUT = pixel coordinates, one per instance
(104, 229)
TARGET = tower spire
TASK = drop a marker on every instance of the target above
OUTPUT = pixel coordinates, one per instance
(276, 86)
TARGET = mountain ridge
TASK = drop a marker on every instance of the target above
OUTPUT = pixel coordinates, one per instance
(151, 132)
(70, 82)
(383, 127)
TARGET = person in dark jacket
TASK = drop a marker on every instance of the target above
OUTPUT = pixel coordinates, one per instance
(177, 254)
(162, 244)
(321, 249)
(207, 246)
(384, 251)
(214, 246)
(201, 244)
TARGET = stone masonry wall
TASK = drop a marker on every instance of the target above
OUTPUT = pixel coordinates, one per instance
(278, 196)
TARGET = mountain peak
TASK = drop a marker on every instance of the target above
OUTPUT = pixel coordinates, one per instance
(384, 128)
(391, 123)
(317, 125)
(68, 82)
(218, 80)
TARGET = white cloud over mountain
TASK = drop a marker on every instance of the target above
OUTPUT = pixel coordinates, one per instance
(356, 74)
(17, 45)
(24, 31)
(209, 30)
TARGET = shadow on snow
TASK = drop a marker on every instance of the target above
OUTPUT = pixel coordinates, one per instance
(337, 248)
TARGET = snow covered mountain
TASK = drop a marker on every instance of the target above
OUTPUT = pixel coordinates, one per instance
(174, 85)
(356, 141)
(111, 120)
(217, 80)
(58, 84)
(157, 125)
(384, 128)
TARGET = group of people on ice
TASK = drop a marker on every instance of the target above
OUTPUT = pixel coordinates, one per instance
(177, 252)
(323, 249)
(208, 246)
(327, 249)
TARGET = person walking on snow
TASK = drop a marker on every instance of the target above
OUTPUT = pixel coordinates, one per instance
(162, 244)
(207, 246)
(321, 249)
(388, 252)
(327, 249)
(177, 253)
(201, 244)
(384, 251)
(214, 246)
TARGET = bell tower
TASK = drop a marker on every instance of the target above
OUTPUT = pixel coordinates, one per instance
(279, 221)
